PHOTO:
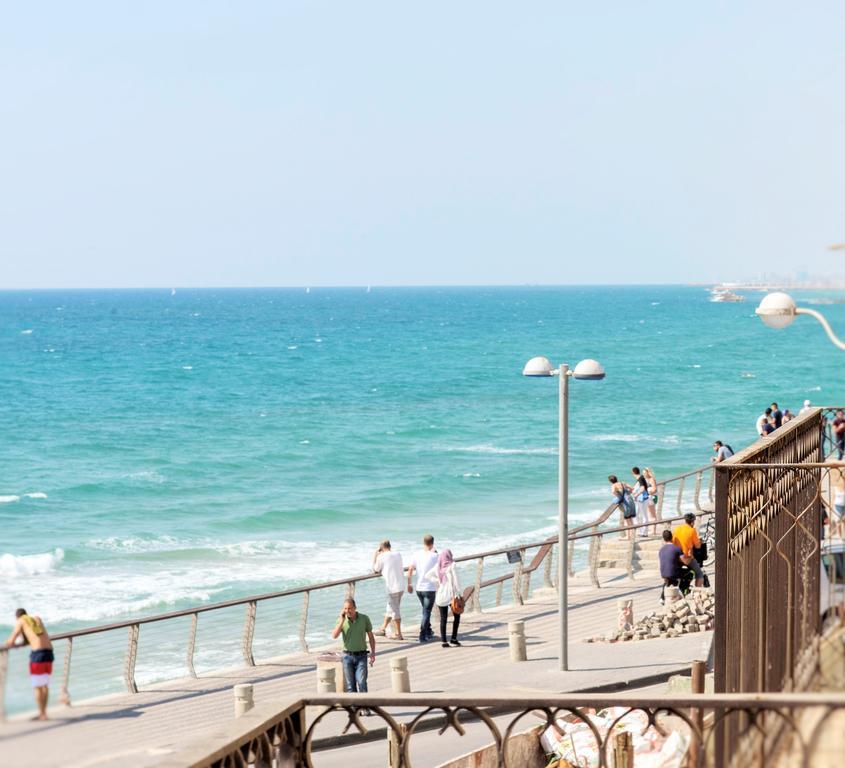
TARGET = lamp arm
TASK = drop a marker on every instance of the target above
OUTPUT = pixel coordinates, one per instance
(826, 325)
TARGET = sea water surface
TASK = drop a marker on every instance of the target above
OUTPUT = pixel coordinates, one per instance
(164, 449)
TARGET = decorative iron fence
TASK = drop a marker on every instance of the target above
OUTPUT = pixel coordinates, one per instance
(603, 729)
(150, 649)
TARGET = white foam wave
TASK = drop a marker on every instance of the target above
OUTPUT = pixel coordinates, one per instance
(9, 499)
(471, 474)
(15, 566)
(502, 451)
(814, 389)
(187, 367)
(293, 346)
(26, 332)
(628, 438)
(147, 475)
(36, 495)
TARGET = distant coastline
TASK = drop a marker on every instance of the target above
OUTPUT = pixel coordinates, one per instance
(785, 285)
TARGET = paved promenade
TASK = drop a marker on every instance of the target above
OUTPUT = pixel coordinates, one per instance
(141, 729)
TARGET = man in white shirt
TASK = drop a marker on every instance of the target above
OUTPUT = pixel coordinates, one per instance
(389, 565)
(762, 420)
(424, 561)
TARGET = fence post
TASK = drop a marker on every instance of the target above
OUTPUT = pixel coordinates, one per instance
(4, 667)
(476, 593)
(631, 549)
(571, 557)
(623, 750)
(547, 567)
(698, 671)
(680, 495)
(499, 593)
(661, 497)
(249, 633)
(698, 490)
(350, 590)
(593, 557)
(64, 692)
(131, 656)
(192, 644)
(303, 622)
(395, 746)
(517, 579)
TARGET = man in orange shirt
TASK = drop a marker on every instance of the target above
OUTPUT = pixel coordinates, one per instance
(686, 537)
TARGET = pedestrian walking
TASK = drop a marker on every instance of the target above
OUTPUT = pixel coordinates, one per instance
(622, 499)
(641, 499)
(686, 537)
(389, 564)
(653, 498)
(30, 630)
(423, 562)
(448, 596)
(356, 629)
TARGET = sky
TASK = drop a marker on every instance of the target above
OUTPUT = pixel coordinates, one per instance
(313, 143)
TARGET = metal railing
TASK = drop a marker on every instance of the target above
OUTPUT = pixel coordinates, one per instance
(284, 737)
(770, 503)
(687, 491)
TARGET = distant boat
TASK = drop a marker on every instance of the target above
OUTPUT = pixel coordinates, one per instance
(723, 294)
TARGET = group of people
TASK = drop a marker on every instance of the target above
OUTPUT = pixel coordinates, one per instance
(681, 548)
(774, 418)
(637, 502)
(432, 575)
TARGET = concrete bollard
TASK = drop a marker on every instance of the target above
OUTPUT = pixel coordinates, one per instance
(516, 640)
(243, 699)
(326, 680)
(625, 614)
(400, 679)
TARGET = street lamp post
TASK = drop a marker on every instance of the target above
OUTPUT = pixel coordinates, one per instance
(586, 370)
(778, 310)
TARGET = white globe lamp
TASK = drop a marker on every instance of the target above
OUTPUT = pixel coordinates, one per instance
(777, 310)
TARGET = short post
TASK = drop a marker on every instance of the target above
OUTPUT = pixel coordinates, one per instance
(516, 640)
(624, 614)
(699, 669)
(4, 666)
(400, 678)
(243, 699)
(326, 680)
(623, 750)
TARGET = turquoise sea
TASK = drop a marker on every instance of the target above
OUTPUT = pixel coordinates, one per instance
(162, 449)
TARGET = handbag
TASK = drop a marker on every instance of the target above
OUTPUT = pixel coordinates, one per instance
(457, 605)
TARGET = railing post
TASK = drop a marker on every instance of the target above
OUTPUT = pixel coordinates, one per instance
(593, 557)
(64, 691)
(571, 557)
(131, 656)
(476, 593)
(249, 633)
(547, 568)
(711, 492)
(698, 490)
(192, 644)
(680, 494)
(699, 668)
(4, 668)
(631, 551)
(661, 497)
(499, 591)
(517, 579)
(350, 589)
(303, 622)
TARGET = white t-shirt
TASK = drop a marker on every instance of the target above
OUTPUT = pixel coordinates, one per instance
(761, 420)
(424, 561)
(389, 565)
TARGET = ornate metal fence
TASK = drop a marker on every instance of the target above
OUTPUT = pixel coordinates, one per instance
(289, 736)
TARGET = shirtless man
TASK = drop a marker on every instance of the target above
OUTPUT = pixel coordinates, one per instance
(33, 632)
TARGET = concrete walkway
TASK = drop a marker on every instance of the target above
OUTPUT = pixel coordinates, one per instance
(140, 729)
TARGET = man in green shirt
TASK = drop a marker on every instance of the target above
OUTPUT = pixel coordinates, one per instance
(356, 629)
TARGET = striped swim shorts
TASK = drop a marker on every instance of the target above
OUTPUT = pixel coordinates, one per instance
(40, 667)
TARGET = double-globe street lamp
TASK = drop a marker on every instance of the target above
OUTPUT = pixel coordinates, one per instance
(585, 370)
(778, 310)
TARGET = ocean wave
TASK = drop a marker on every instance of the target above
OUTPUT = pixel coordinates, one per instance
(15, 566)
(628, 438)
(36, 495)
(9, 499)
(147, 475)
(13, 497)
(26, 332)
(500, 451)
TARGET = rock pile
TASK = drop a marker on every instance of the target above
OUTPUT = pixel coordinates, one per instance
(694, 613)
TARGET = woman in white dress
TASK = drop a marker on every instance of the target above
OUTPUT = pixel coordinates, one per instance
(448, 590)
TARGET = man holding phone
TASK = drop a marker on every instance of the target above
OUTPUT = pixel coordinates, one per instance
(356, 629)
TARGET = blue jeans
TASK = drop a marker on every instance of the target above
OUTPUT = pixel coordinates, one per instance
(355, 672)
(427, 602)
